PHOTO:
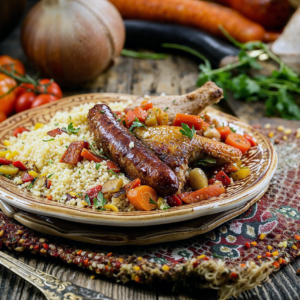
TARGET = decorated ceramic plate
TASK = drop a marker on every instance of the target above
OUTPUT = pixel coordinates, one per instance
(261, 160)
(118, 236)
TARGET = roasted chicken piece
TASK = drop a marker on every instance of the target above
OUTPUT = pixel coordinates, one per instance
(191, 104)
(177, 150)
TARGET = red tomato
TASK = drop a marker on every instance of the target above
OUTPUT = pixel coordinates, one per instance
(174, 201)
(52, 89)
(7, 102)
(250, 139)
(6, 60)
(24, 101)
(2, 116)
(43, 99)
(24, 87)
(19, 130)
(138, 112)
(224, 131)
(93, 193)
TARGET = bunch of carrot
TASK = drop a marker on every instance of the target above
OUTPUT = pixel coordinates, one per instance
(206, 16)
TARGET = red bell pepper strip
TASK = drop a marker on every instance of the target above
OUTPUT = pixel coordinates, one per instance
(19, 165)
(27, 177)
(174, 201)
(221, 176)
(4, 161)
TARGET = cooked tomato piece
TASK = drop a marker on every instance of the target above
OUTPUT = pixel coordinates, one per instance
(19, 165)
(91, 156)
(189, 120)
(26, 177)
(250, 139)
(132, 184)
(145, 105)
(48, 183)
(73, 153)
(93, 193)
(4, 161)
(138, 113)
(174, 201)
(112, 166)
(55, 132)
(19, 130)
(221, 176)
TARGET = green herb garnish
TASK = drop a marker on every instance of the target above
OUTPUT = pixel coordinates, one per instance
(100, 201)
(56, 124)
(113, 172)
(49, 176)
(152, 201)
(32, 183)
(98, 166)
(137, 124)
(232, 129)
(206, 162)
(166, 108)
(50, 162)
(187, 131)
(94, 151)
(279, 89)
(142, 55)
(49, 140)
(71, 129)
(101, 111)
(87, 199)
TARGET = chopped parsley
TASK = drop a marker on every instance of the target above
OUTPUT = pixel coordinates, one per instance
(50, 162)
(174, 101)
(49, 176)
(67, 146)
(56, 124)
(166, 108)
(87, 199)
(152, 201)
(137, 124)
(71, 129)
(32, 183)
(49, 140)
(98, 166)
(232, 130)
(187, 131)
(206, 162)
(101, 111)
(113, 172)
(94, 151)
(7, 176)
(100, 201)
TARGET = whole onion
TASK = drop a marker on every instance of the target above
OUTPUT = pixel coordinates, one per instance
(72, 41)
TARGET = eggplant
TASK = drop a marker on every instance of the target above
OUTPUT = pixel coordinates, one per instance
(151, 35)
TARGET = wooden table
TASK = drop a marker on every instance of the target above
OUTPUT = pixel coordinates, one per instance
(175, 75)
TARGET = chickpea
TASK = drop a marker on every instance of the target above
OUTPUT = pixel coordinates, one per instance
(212, 133)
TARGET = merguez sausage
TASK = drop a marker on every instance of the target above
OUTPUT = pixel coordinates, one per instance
(129, 153)
(200, 14)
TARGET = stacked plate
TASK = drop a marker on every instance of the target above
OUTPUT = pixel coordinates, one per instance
(111, 228)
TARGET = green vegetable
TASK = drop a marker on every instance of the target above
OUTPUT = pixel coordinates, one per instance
(98, 166)
(87, 199)
(232, 129)
(152, 201)
(137, 124)
(187, 131)
(32, 183)
(142, 55)
(49, 140)
(71, 129)
(100, 201)
(206, 162)
(113, 172)
(49, 176)
(278, 89)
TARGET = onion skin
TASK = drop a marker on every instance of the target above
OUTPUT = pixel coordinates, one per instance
(72, 41)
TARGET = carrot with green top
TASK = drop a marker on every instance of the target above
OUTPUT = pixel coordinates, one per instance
(205, 193)
(143, 197)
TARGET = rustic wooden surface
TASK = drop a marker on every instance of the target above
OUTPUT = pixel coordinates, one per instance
(175, 75)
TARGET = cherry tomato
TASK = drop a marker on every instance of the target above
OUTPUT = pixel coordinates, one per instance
(2, 116)
(43, 99)
(19, 130)
(24, 101)
(24, 87)
(53, 88)
(7, 102)
(6, 60)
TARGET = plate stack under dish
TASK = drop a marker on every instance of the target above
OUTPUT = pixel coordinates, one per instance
(112, 228)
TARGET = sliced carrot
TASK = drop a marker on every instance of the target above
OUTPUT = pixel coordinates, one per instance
(138, 113)
(142, 196)
(224, 131)
(91, 156)
(189, 120)
(205, 125)
(145, 105)
(250, 139)
(238, 141)
(205, 193)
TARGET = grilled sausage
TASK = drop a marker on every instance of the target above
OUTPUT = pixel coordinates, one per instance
(129, 153)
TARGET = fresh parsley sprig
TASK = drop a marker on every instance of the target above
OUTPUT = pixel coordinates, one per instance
(278, 89)
(187, 131)
(100, 201)
(152, 201)
(71, 129)
(137, 124)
